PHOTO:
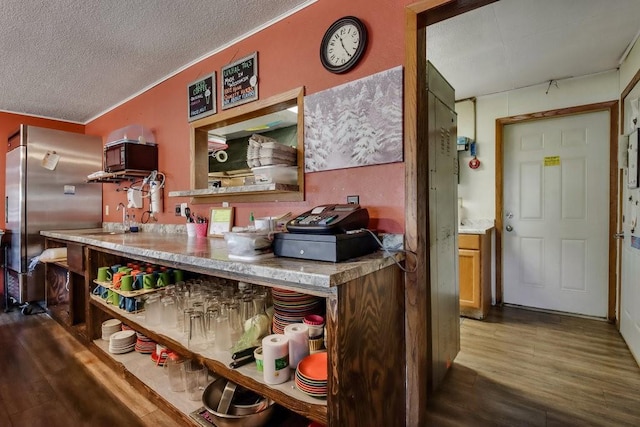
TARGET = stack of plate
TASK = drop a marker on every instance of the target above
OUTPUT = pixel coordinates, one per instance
(122, 342)
(311, 375)
(110, 327)
(291, 307)
(144, 344)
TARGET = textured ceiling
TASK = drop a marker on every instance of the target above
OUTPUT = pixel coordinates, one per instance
(518, 43)
(75, 59)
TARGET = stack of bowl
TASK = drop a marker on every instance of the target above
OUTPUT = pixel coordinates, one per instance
(247, 409)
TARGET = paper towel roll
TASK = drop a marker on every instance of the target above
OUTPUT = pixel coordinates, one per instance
(298, 334)
(275, 355)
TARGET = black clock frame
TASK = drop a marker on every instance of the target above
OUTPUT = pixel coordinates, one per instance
(362, 29)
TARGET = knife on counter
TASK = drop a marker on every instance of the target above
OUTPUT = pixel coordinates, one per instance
(242, 361)
(243, 353)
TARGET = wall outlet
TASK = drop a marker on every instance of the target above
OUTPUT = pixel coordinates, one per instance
(177, 210)
(183, 209)
(353, 200)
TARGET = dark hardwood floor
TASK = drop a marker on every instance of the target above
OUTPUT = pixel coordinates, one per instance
(516, 368)
(48, 378)
(528, 368)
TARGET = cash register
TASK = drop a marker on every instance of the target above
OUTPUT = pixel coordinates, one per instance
(327, 233)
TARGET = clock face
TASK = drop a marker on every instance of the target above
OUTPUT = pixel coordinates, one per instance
(343, 45)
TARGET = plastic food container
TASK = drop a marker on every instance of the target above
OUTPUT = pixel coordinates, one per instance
(247, 243)
(277, 173)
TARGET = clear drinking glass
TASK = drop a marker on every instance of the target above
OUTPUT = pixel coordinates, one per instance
(195, 379)
(185, 320)
(169, 312)
(247, 310)
(221, 331)
(153, 310)
(197, 333)
(174, 367)
(210, 322)
(236, 324)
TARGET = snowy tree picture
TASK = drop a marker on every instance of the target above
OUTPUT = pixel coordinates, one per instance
(355, 124)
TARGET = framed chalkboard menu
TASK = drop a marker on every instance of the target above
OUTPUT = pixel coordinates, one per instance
(202, 97)
(239, 81)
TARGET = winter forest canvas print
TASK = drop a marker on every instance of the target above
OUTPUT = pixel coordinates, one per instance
(355, 124)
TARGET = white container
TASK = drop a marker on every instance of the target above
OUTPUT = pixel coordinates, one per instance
(277, 173)
(266, 224)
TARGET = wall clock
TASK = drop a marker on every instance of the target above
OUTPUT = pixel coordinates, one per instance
(343, 44)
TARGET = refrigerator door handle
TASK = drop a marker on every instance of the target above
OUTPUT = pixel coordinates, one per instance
(6, 209)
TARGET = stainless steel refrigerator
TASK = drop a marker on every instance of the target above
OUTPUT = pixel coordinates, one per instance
(46, 189)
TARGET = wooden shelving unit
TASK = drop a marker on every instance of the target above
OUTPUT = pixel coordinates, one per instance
(286, 395)
(364, 323)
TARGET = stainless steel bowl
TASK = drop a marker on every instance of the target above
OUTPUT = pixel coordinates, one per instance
(245, 413)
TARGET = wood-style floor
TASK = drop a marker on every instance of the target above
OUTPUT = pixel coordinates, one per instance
(49, 379)
(527, 368)
(516, 368)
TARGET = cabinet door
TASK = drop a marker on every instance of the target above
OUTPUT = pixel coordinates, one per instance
(469, 277)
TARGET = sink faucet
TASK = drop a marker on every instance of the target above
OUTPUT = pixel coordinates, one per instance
(124, 215)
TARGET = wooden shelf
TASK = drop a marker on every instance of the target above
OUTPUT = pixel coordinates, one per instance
(61, 313)
(142, 367)
(286, 395)
(249, 193)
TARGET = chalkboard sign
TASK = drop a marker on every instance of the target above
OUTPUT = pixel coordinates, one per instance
(240, 81)
(202, 97)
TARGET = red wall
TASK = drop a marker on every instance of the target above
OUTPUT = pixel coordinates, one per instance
(9, 123)
(288, 57)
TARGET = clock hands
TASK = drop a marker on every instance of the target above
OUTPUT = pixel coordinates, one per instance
(343, 46)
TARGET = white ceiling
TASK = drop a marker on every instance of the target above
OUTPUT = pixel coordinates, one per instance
(512, 44)
(75, 59)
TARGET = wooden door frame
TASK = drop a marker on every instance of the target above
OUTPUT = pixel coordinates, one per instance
(612, 108)
(418, 16)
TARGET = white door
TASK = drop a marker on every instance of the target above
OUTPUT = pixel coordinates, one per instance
(630, 272)
(556, 206)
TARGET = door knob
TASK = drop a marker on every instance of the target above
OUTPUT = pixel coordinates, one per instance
(509, 228)
(618, 236)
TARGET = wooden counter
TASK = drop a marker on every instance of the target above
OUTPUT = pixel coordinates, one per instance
(364, 320)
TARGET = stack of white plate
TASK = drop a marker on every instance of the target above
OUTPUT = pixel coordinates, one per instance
(122, 342)
(110, 327)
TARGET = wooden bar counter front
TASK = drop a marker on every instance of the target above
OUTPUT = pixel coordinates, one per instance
(364, 320)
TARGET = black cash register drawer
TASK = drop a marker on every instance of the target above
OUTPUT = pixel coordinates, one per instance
(324, 247)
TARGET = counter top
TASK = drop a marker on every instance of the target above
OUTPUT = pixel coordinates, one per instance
(211, 254)
(476, 226)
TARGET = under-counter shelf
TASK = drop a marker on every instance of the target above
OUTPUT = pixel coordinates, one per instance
(144, 369)
(286, 394)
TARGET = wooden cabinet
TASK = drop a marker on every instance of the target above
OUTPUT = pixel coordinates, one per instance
(474, 265)
(65, 298)
(364, 321)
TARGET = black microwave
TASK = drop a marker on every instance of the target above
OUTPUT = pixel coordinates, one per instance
(130, 155)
